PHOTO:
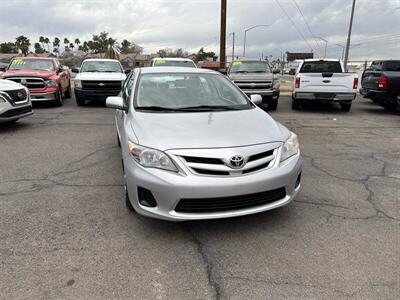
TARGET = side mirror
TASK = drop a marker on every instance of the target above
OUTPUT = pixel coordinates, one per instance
(292, 72)
(256, 99)
(3, 69)
(276, 71)
(223, 71)
(75, 70)
(127, 71)
(115, 102)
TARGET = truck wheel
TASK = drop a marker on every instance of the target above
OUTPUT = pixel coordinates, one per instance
(67, 93)
(296, 104)
(273, 105)
(59, 98)
(80, 101)
(345, 106)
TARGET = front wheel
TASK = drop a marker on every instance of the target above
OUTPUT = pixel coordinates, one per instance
(67, 93)
(273, 104)
(80, 101)
(59, 98)
(296, 104)
(345, 106)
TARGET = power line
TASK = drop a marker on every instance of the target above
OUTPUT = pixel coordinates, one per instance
(308, 26)
(297, 29)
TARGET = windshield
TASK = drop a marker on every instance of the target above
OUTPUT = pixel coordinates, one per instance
(392, 66)
(249, 67)
(174, 63)
(101, 66)
(196, 92)
(321, 66)
(31, 64)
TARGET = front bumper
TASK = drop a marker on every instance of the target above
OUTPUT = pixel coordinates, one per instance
(323, 96)
(271, 93)
(169, 188)
(100, 95)
(12, 113)
(49, 96)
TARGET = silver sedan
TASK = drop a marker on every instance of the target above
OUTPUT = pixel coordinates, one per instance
(195, 147)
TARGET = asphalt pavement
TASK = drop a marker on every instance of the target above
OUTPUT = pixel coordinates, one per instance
(65, 232)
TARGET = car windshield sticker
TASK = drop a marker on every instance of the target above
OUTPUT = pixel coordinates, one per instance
(17, 62)
(235, 63)
(160, 62)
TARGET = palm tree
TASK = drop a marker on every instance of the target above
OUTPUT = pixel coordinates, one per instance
(23, 43)
(47, 42)
(77, 42)
(71, 46)
(41, 40)
(56, 44)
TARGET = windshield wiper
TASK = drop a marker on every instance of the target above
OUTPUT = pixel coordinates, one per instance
(208, 108)
(259, 71)
(187, 109)
(241, 72)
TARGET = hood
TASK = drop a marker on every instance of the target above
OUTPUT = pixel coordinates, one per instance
(166, 131)
(8, 85)
(251, 76)
(28, 73)
(100, 76)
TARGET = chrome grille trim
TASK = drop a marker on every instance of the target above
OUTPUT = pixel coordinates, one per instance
(31, 82)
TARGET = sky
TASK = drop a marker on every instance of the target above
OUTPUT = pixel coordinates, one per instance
(191, 24)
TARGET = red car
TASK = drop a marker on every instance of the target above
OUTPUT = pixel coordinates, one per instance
(44, 77)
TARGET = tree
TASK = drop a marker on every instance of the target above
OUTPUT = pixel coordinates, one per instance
(71, 46)
(56, 45)
(77, 42)
(130, 47)
(8, 47)
(23, 43)
(202, 55)
(101, 42)
(39, 49)
(42, 41)
(47, 42)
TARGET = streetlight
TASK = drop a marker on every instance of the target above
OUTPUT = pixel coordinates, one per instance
(245, 35)
(344, 48)
(233, 45)
(324, 40)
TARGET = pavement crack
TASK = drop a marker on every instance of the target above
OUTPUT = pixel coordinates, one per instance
(210, 268)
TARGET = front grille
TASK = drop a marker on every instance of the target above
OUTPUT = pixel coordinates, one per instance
(16, 112)
(254, 85)
(15, 97)
(101, 85)
(213, 166)
(206, 205)
(30, 82)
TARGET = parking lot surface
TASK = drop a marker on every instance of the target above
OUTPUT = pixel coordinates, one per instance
(65, 232)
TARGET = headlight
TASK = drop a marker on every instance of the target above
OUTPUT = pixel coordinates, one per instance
(78, 83)
(151, 158)
(290, 147)
(51, 83)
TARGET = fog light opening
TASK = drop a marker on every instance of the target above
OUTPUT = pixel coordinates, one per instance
(298, 181)
(146, 198)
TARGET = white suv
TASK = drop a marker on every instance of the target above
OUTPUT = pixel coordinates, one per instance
(15, 102)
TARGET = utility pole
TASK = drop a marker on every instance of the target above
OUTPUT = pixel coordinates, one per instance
(346, 57)
(233, 45)
(222, 42)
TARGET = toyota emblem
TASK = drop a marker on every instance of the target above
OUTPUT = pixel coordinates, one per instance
(236, 161)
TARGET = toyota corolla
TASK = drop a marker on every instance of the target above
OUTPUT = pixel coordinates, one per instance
(194, 146)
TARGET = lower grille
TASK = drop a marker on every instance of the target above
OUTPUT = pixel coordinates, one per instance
(101, 85)
(16, 111)
(204, 205)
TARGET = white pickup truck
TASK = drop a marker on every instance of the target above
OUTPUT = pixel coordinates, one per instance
(324, 80)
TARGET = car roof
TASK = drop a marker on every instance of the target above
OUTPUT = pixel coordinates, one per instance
(322, 59)
(166, 70)
(34, 57)
(101, 59)
(172, 58)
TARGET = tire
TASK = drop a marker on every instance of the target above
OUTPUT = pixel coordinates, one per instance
(345, 106)
(67, 94)
(128, 203)
(59, 98)
(80, 101)
(273, 105)
(296, 104)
